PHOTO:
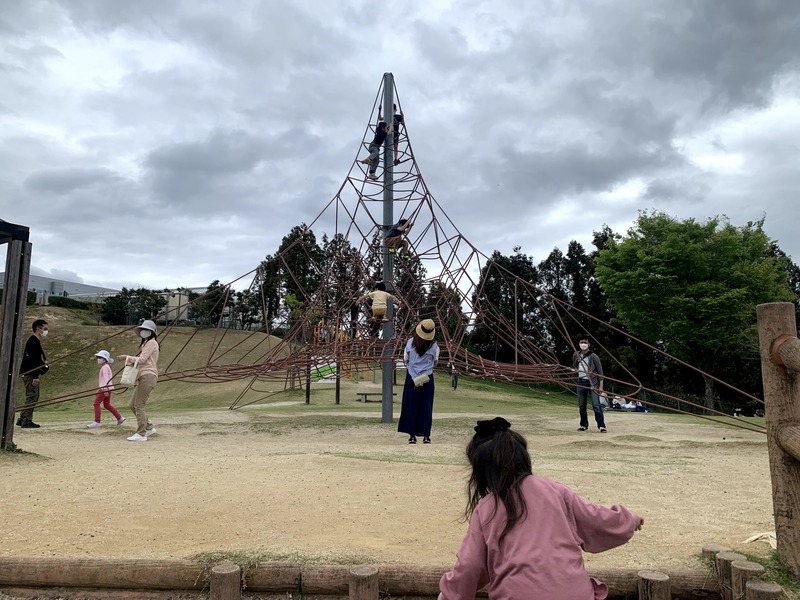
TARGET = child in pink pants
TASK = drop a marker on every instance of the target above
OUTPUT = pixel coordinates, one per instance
(104, 389)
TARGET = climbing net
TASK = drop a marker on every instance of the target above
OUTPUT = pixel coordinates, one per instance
(446, 278)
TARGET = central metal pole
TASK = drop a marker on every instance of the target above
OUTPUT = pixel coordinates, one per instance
(387, 355)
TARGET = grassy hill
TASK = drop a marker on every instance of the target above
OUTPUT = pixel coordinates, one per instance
(73, 341)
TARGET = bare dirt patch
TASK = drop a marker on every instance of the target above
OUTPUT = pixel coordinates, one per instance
(243, 481)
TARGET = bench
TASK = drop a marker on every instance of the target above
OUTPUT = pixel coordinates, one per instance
(364, 396)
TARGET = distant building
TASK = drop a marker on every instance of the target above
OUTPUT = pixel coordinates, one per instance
(48, 286)
(177, 308)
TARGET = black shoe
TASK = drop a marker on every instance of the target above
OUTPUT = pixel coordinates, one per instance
(412, 440)
(426, 440)
(582, 428)
(397, 161)
(603, 430)
(30, 425)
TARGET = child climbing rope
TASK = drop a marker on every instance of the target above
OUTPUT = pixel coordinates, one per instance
(381, 131)
(380, 303)
(394, 239)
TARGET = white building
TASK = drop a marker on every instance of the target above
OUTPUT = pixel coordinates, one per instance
(48, 286)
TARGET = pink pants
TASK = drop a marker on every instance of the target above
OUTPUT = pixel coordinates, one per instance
(104, 398)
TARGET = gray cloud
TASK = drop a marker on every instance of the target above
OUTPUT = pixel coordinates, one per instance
(179, 142)
(67, 180)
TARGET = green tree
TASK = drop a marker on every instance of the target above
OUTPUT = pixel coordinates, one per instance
(443, 305)
(299, 259)
(131, 306)
(692, 287)
(346, 280)
(209, 307)
(506, 306)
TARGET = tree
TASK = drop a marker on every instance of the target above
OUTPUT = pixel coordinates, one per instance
(443, 305)
(247, 309)
(131, 306)
(209, 307)
(345, 282)
(506, 306)
(692, 287)
(299, 258)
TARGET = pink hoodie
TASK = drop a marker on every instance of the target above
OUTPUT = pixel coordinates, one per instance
(541, 557)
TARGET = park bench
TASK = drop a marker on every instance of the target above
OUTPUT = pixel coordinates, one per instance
(364, 396)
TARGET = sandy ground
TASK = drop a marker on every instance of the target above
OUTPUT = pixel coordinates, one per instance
(239, 481)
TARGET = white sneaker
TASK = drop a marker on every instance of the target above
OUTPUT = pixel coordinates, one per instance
(120, 421)
(137, 438)
(149, 432)
(94, 424)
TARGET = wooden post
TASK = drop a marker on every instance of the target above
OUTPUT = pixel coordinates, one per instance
(711, 550)
(226, 581)
(763, 590)
(15, 294)
(776, 323)
(724, 560)
(364, 583)
(308, 383)
(654, 585)
(741, 572)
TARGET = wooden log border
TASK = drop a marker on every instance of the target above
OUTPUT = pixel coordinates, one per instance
(185, 575)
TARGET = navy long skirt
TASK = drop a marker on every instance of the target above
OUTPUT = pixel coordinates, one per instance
(416, 411)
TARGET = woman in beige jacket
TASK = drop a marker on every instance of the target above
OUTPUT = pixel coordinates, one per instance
(147, 362)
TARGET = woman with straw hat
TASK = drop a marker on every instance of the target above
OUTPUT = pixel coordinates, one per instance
(421, 355)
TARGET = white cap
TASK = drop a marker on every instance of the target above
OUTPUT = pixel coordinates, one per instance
(106, 355)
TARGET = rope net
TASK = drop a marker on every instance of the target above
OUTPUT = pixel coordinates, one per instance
(324, 328)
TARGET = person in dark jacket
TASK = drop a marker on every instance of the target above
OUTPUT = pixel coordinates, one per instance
(34, 365)
(590, 383)
(381, 131)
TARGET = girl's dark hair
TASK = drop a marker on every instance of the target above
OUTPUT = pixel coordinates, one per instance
(421, 346)
(500, 461)
(402, 221)
(380, 286)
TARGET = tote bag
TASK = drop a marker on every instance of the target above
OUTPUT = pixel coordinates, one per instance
(130, 373)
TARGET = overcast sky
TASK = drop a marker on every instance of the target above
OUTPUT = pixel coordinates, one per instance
(170, 143)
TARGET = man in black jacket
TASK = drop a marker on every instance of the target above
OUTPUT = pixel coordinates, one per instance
(34, 365)
(590, 382)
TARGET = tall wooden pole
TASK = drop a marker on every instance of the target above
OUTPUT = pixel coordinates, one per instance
(777, 331)
(15, 294)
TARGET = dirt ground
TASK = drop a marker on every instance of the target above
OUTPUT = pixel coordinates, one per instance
(235, 481)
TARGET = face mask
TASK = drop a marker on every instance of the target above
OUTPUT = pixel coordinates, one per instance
(584, 346)
(44, 332)
(144, 333)
(100, 361)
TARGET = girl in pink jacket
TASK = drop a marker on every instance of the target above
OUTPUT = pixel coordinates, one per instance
(526, 534)
(104, 389)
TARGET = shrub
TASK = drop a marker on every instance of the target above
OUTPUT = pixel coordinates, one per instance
(66, 302)
(30, 299)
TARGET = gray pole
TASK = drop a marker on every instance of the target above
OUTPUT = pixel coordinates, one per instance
(387, 356)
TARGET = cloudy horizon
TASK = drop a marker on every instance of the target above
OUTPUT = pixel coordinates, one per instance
(171, 144)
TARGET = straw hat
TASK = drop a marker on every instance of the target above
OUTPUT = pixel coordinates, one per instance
(426, 329)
